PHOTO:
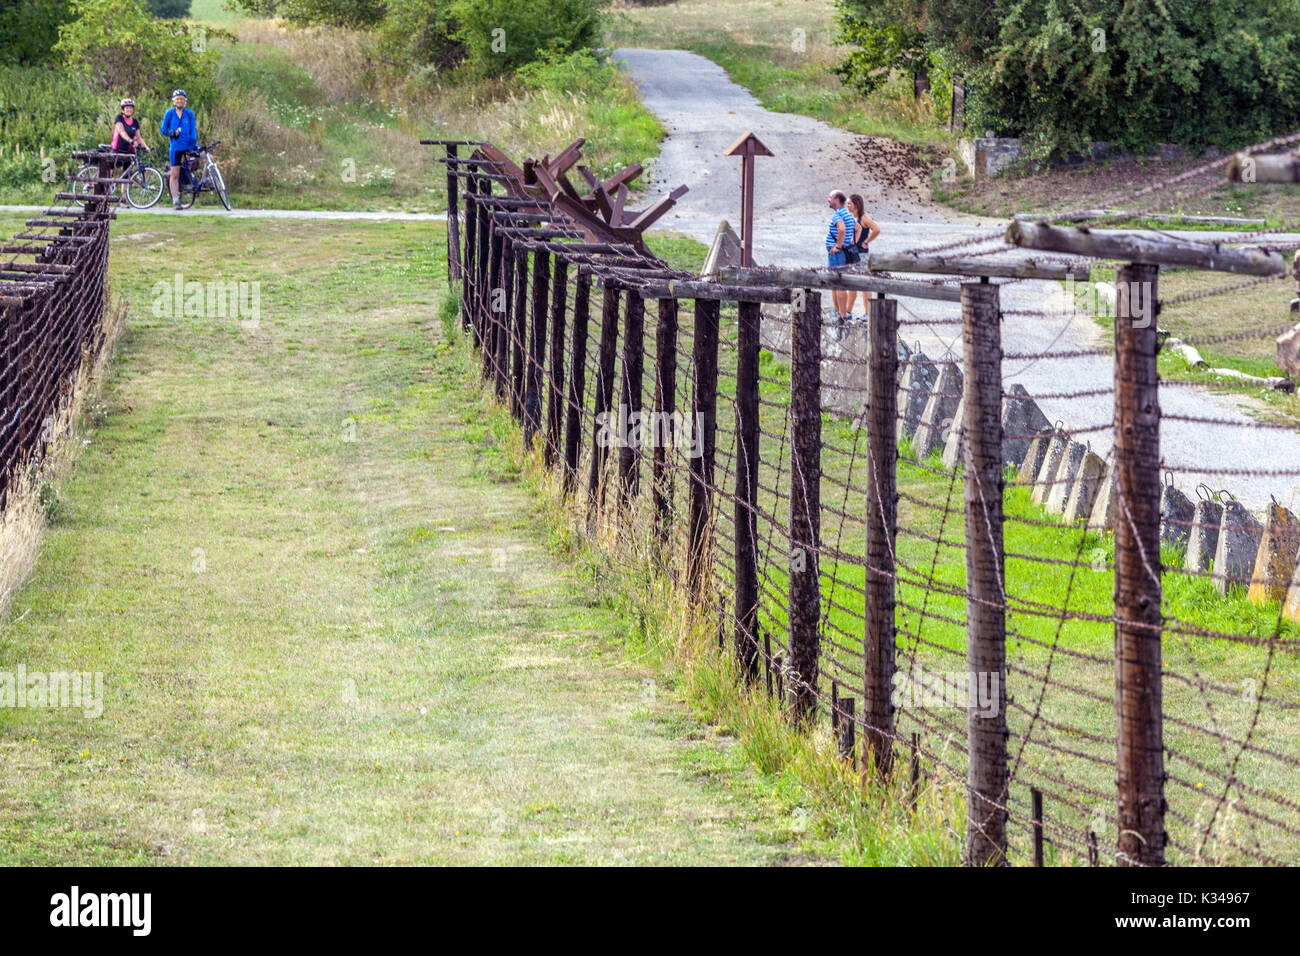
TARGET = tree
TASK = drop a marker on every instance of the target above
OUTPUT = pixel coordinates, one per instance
(335, 13)
(30, 28)
(502, 35)
(121, 49)
(1063, 73)
(169, 9)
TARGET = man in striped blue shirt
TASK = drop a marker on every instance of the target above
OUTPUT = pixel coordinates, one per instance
(838, 235)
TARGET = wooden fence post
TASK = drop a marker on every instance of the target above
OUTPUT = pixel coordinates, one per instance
(629, 452)
(536, 346)
(499, 342)
(555, 393)
(601, 425)
(882, 529)
(468, 308)
(518, 335)
(1140, 767)
(705, 409)
(747, 349)
(986, 718)
(494, 315)
(805, 505)
(664, 408)
(453, 215)
(577, 380)
(481, 253)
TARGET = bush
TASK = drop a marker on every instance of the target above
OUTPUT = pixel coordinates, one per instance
(169, 9)
(120, 49)
(420, 32)
(30, 28)
(500, 36)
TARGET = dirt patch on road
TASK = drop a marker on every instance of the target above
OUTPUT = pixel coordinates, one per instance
(900, 166)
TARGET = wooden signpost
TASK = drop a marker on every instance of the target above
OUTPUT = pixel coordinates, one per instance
(747, 147)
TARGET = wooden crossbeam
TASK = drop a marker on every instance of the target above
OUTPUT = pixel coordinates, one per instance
(941, 265)
(1156, 248)
(827, 279)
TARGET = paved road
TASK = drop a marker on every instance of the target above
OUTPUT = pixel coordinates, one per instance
(705, 112)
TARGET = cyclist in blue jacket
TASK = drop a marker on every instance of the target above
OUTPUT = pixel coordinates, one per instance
(179, 126)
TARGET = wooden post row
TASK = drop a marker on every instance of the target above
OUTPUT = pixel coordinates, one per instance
(600, 437)
(467, 289)
(577, 381)
(482, 294)
(805, 505)
(518, 335)
(555, 393)
(986, 719)
(1140, 769)
(746, 498)
(629, 452)
(705, 410)
(665, 406)
(494, 313)
(498, 344)
(536, 352)
(453, 215)
(882, 529)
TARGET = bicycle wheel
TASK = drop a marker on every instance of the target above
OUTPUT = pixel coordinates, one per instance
(144, 188)
(219, 184)
(83, 184)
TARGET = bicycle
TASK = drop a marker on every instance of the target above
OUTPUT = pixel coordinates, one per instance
(211, 179)
(142, 183)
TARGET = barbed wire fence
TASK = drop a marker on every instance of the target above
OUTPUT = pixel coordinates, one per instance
(52, 287)
(971, 592)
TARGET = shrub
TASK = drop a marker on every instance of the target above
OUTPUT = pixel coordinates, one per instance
(120, 48)
(500, 36)
(30, 28)
(420, 32)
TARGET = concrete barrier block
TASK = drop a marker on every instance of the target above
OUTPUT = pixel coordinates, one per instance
(1204, 538)
(914, 391)
(1022, 419)
(1234, 558)
(1102, 517)
(1034, 457)
(1288, 353)
(937, 418)
(954, 449)
(1176, 511)
(1058, 494)
(1278, 550)
(1292, 606)
(1047, 472)
(1092, 470)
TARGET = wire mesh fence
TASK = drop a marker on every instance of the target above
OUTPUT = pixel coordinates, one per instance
(951, 531)
(52, 285)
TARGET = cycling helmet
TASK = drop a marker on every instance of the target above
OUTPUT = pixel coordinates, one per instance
(176, 93)
(128, 102)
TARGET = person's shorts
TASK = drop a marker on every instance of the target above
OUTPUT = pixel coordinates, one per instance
(835, 259)
(123, 157)
(178, 156)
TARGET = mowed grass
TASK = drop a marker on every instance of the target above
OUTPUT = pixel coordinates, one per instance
(331, 626)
